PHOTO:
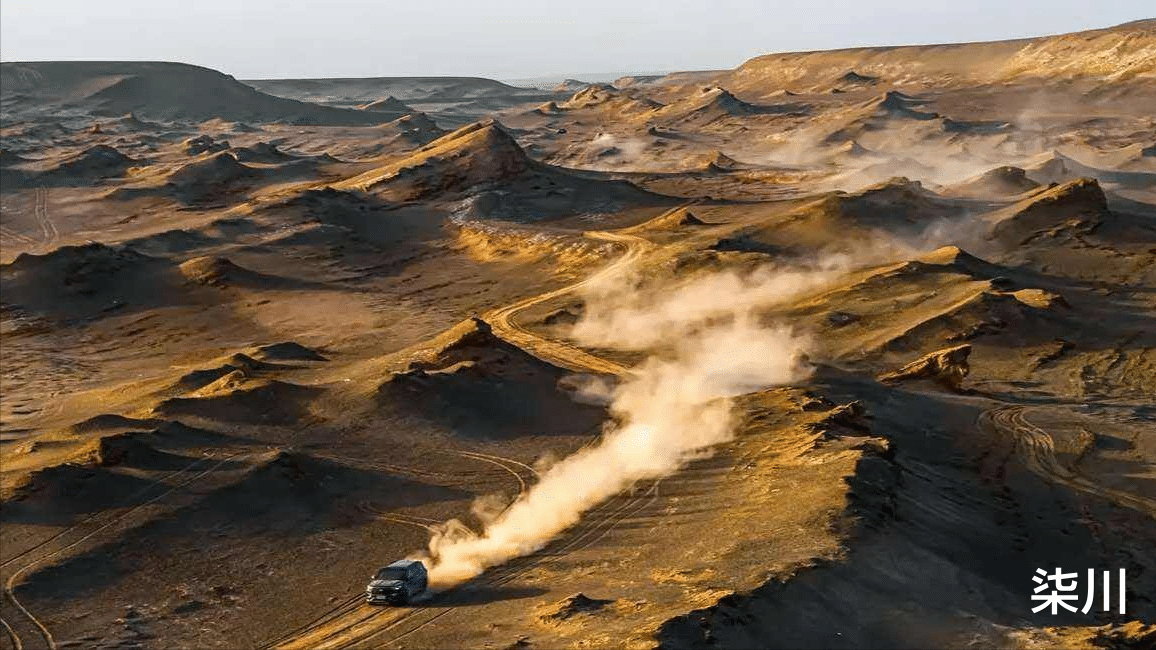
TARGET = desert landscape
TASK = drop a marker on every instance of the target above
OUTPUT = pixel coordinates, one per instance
(833, 349)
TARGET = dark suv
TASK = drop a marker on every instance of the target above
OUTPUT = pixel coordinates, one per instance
(396, 584)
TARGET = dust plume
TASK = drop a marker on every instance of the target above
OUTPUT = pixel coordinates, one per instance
(671, 408)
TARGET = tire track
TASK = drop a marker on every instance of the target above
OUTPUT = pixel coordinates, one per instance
(501, 462)
(425, 523)
(10, 583)
(351, 632)
(40, 210)
(590, 534)
(90, 519)
(351, 612)
(5, 231)
(12, 636)
(1036, 448)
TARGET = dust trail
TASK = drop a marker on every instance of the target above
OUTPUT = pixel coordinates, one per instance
(708, 345)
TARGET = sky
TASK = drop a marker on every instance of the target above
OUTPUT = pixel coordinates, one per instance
(511, 39)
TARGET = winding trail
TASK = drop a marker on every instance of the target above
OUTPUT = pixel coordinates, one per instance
(353, 623)
(558, 353)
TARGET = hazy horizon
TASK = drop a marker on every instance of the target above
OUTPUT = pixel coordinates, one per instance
(506, 39)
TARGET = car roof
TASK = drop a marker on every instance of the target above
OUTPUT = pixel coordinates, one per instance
(402, 564)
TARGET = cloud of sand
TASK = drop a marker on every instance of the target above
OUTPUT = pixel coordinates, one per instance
(708, 345)
(609, 152)
(1016, 135)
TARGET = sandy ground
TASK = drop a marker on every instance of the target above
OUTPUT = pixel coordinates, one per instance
(259, 340)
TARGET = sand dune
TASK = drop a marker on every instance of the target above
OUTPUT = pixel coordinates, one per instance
(1077, 204)
(389, 104)
(484, 156)
(480, 385)
(80, 169)
(85, 281)
(829, 350)
(1001, 181)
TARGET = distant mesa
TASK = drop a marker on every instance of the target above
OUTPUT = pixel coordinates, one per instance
(1076, 56)
(636, 80)
(167, 92)
(407, 89)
